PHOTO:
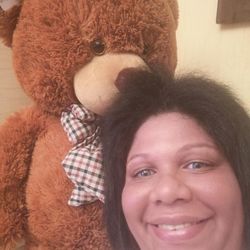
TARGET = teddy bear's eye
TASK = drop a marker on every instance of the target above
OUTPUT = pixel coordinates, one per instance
(145, 49)
(98, 47)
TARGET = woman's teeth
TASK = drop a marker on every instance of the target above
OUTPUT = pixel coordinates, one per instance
(176, 227)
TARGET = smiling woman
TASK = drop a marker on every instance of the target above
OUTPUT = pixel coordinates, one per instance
(169, 192)
(176, 156)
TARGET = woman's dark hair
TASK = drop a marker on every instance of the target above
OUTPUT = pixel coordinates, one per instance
(211, 104)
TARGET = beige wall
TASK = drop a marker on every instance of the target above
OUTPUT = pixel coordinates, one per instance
(12, 96)
(222, 52)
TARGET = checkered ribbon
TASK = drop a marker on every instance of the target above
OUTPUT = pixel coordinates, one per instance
(83, 163)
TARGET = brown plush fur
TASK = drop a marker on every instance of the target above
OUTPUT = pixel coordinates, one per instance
(50, 43)
(8, 21)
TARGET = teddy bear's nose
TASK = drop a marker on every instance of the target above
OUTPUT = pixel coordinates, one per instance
(126, 76)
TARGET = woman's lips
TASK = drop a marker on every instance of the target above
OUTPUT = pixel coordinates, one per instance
(178, 232)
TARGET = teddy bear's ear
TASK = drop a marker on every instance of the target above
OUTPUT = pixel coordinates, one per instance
(9, 13)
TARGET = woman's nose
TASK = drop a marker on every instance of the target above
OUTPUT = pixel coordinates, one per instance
(169, 189)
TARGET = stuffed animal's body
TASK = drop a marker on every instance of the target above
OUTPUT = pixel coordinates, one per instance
(67, 52)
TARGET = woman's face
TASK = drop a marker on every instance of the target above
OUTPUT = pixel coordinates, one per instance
(180, 192)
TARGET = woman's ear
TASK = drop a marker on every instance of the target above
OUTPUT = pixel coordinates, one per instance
(9, 13)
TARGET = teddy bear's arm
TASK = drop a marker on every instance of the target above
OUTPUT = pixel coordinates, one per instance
(175, 10)
(17, 139)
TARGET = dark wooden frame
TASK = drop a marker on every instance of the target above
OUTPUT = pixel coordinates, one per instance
(233, 11)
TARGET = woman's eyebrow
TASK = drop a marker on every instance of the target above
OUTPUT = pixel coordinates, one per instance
(197, 145)
(184, 148)
(140, 155)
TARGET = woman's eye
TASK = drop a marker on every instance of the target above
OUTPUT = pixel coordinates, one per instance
(144, 173)
(198, 165)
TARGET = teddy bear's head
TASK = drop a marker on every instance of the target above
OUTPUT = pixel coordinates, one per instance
(73, 50)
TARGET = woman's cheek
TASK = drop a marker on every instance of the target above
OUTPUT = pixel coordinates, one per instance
(134, 197)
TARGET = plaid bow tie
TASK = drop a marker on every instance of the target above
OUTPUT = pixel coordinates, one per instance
(83, 163)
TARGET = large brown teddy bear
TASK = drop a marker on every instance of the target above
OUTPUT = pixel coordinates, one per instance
(68, 52)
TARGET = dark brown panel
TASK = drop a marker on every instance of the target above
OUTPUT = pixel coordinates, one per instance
(233, 11)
